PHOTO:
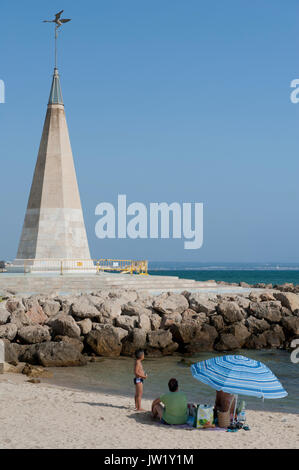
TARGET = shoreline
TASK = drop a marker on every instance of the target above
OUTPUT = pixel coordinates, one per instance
(48, 416)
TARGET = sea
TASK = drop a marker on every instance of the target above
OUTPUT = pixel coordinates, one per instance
(252, 273)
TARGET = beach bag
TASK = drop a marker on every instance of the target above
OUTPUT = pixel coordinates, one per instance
(224, 417)
(204, 416)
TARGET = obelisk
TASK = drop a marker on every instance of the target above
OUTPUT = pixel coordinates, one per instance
(54, 227)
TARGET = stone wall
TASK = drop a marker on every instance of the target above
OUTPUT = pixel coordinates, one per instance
(68, 330)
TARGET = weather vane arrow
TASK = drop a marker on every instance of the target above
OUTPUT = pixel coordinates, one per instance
(58, 22)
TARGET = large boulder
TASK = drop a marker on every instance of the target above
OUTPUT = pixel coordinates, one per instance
(109, 309)
(155, 321)
(82, 308)
(8, 331)
(4, 314)
(204, 340)
(275, 337)
(85, 326)
(77, 343)
(227, 342)
(14, 304)
(169, 320)
(50, 307)
(240, 332)
(256, 325)
(34, 334)
(144, 322)
(160, 342)
(11, 351)
(290, 325)
(217, 321)
(62, 354)
(258, 341)
(107, 340)
(185, 332)
(288, 300)
(34, 311)
(159, 339)
(201, 303)
(126, 322)
(64, 325)
(231, 312)
(135, 309)
(269, 310)
(136, 339)
(168, 303)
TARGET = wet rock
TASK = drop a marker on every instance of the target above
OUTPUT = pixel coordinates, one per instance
(227, 342)
(107, 341)
(257, 341)
(36, 371)
(60, 354)
(136, 339)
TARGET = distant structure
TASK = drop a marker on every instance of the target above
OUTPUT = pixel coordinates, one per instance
(54, 227)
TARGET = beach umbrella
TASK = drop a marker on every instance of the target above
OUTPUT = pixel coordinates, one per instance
(239, 375)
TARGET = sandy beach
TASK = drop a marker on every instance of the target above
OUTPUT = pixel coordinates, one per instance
(45, 416)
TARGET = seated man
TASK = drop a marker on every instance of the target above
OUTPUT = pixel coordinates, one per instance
(175, 410)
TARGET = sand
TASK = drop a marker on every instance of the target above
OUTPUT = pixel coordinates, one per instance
(34, 416)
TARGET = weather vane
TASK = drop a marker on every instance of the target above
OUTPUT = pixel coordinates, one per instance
(59, 22)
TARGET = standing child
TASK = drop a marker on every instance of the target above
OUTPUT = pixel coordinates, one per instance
(139, 378)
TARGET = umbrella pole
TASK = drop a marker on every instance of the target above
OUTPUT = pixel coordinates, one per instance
(235, 408)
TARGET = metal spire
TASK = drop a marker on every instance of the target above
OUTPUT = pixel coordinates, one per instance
(58, 22)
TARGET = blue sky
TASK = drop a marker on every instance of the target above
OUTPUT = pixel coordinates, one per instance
(166, 100)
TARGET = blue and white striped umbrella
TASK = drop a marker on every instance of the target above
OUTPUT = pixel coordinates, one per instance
(239, 375)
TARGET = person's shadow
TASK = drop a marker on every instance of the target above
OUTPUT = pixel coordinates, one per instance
(108, 405)
(140, 417)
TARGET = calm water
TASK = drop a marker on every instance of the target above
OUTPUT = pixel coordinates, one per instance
(116, 376)
(251, 276)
